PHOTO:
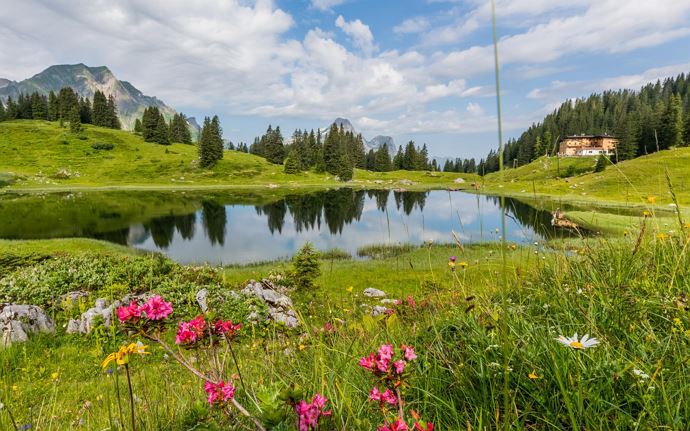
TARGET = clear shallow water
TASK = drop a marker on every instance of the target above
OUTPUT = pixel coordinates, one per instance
(227, 228)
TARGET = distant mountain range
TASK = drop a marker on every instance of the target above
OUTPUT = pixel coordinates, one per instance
(373, 144)
(85, 81)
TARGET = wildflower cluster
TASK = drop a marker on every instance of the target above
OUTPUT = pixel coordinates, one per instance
(390, 374)
(219, 393)
(121, 357)
(151, 313)
(309, 414)
(189, 333)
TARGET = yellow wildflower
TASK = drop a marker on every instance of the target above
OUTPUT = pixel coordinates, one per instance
(646, 213)
(463, 265)
(661, 236)
(533, 375)
(451, 264)
(302, 347)
(350, 289)
(651, 199)
(121, 357)
(54, 376)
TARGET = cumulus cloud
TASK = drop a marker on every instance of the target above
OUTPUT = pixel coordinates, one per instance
(412, 25)
(359, 33)
(326, 5)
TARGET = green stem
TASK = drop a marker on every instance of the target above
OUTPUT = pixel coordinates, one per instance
(131, 397)
(9, 413)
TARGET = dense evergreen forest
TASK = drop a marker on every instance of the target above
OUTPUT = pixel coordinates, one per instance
(654, 118)
(67, 105)
(337, 152)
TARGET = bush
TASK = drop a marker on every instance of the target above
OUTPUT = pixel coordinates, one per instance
(305, 267)
(102, 146)
(602, 162)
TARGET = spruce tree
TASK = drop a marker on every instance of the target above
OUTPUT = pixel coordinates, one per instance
(602, 162)
(371, 160)
(383, 159)
(138, 128)
(2, 111)
(216, 139)
(39, 107)
(11, 111)
(149, 123)
(53, 107)
(274, 149)
(113, 119)
(320, 161)
(162, 134)
(67, 99)
(74, 120)
(398, 159)
(206, 159)
(345, 170)
(409, 157)
(332, 150)
(179, 130)
(100, 110)
(292, 163)
(85, 111)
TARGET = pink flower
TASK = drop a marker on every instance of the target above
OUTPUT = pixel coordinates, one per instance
(156, 308)
(408, 352)
(309, 414)
(220, 392)
(452, 258)
(399, 366)
(382, 365)
(411, 302)
(129, 312)
(198, 324)
(367, 362)
(386, 351)
(398, 425)
(429, 426)
(185, 334)
(389, 397)
(226, 328)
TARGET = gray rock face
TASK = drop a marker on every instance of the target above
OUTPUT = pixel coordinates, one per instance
(374, 293)
(201, 300)
(279, 305)
(378, 310)
(101, 310)
(17, 322)
(459, 181)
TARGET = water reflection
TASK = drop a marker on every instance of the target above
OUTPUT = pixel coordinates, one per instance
(231, 228)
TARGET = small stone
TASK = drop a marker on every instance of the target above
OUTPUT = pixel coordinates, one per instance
(378, 310)
(374, 293)
(201, 300)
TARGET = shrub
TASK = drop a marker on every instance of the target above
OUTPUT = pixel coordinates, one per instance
(102, 146)
(602, 162)
(305, 266)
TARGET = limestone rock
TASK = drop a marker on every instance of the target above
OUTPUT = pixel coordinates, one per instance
(374, 293)
(279, 304)
(378, 310)
(17, 322)
(102, 309)
(201, 300)
(459, 181)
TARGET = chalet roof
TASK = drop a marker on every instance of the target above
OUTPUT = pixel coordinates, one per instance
(587, 136)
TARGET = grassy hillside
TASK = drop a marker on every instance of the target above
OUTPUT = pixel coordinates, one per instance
(40, 154)
(632, 181)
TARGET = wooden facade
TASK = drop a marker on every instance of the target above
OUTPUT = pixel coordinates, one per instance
(587, 145)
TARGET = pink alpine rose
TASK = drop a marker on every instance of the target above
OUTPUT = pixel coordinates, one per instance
(156, 308)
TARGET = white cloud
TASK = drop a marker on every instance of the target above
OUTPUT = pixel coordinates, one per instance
(326, 5)
(359, 33)
(474, 108)
(412, 25)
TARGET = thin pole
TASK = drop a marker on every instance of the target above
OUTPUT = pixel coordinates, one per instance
(498, 89)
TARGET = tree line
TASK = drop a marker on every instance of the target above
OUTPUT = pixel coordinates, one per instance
(66, 105)
(337, 152)
(654, 118)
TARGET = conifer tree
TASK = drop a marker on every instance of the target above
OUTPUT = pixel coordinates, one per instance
(149, 123)
(138, 128)
(162, 134)
(292, 163)
(206, 159)
(113, 119)
(100, 110)
(371, 160)
(346, 170)
(274, 149)
(320, 161)
(67, 99)
(74, 120)
(39, 107)
(85, 111)
(179, 130)
(216, 139)
(398, 159)
(11, 111)
(2, 111)
(383, 159)
(601, 164)
(53, 107)
(332, 150)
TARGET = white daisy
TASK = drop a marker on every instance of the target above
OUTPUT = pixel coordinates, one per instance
(641, 374)
(584, 343)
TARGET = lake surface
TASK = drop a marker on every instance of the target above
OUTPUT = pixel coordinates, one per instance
(247, 227)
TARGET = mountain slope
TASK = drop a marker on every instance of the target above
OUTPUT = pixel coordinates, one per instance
(85, 81)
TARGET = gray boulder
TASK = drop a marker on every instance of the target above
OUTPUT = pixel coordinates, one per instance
(201, 297)
(17, 322)
(101, 310)
(374, 293)
(279, 304)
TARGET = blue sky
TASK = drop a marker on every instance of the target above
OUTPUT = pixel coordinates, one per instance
(416, 70)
